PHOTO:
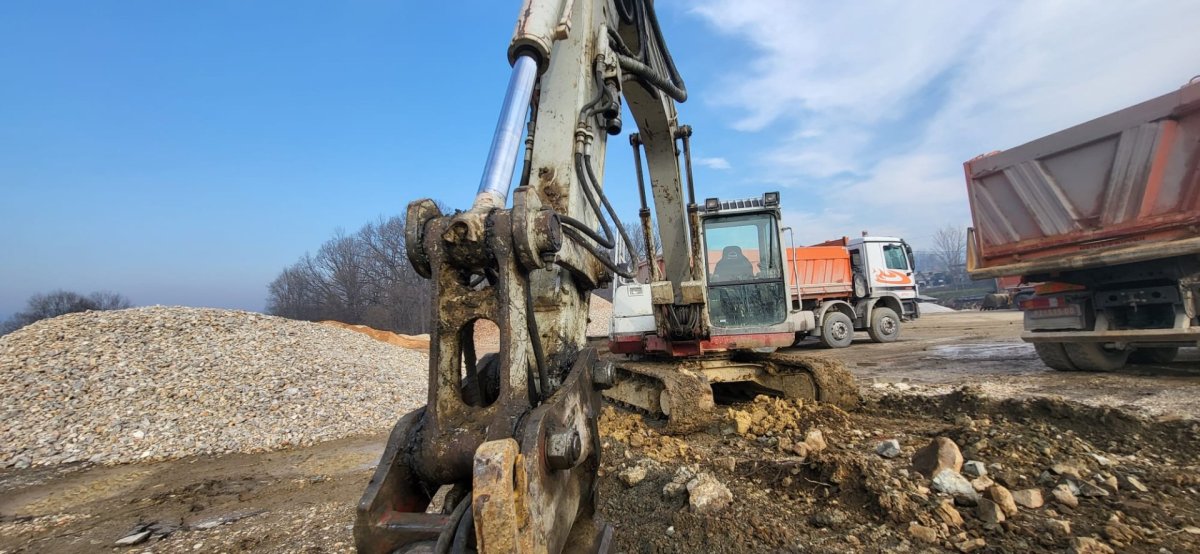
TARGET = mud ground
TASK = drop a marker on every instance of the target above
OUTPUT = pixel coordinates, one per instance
(1014, 413)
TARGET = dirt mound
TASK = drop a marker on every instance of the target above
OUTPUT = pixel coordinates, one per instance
(412, 342)
(167, 382)
(813, 478)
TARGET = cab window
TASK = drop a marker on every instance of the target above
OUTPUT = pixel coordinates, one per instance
(894, 257)
(745, 271)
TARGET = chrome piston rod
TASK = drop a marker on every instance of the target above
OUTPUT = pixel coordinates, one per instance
(506, 142)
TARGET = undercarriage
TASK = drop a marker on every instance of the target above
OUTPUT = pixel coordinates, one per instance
(685, 392)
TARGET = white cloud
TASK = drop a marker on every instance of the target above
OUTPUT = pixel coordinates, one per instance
(713, 163)
(877, 105)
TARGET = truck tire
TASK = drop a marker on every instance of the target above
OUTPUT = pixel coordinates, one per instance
(837, 331)
(1092, 356)
(1159, 355)
(1054, 356)
(885, 325)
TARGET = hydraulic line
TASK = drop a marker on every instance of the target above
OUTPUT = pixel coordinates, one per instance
(591, 248)
(535, 340)
(447, 535)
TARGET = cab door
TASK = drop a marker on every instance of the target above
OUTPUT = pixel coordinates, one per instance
(890, 269)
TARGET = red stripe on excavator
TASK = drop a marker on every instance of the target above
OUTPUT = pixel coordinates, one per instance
(716, 343)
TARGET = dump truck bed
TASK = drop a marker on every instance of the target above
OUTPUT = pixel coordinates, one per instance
(820, 271)
(1121, 188)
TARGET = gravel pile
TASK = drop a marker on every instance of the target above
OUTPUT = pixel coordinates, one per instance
(931, 308)
(167, 382)
(599, 317)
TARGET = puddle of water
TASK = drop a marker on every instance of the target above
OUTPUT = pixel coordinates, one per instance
(985, 351)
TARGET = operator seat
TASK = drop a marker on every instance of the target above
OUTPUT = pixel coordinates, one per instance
(733, 265)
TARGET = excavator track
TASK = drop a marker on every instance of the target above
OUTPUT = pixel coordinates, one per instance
(685, 393)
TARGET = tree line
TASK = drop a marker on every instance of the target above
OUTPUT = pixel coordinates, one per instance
(362, 278)
(60, 302)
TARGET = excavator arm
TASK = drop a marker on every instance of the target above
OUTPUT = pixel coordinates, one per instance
(504, 455)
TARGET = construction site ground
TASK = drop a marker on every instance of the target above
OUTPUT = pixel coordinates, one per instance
(965, 376)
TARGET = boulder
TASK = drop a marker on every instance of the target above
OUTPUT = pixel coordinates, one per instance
(923, 533)
(1028, 498)
(950, 482)
(989, 512)
(1003, 498)
(948, 514)
(939, 454)
(888, 448)
(1063, 495)
(974, 469)
(707, 495)
(1088, 545)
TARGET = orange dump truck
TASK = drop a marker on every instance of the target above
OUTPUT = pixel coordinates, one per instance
(1106, 217)
(864, 284)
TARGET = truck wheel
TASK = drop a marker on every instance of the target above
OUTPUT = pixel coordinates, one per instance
(885, 325)
(1092, 356)
(1054, 356)
(1160, 355)
(837, 331)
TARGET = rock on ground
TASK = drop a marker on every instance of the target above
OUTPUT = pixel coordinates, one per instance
(939, 454)
(1064, 496)
(950, 482)
(989, 512)
(1028, 498)
(168, 382)
(707, 495)
(1003, 498)
(974, 469)
(888, 448)
(923, 533)
(948, 514)
(1088, 545)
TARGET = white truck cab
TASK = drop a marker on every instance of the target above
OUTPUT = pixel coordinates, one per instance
(884, 266)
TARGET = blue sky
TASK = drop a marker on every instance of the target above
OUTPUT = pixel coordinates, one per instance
(183, 153)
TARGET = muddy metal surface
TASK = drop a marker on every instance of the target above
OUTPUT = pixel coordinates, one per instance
(302, 500)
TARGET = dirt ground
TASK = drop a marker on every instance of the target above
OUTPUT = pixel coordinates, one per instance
(964, 376)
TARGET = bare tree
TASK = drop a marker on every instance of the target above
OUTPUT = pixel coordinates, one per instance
(59, 302)
(950, 247)
(364, 278)
(634, 230)
(295, 293)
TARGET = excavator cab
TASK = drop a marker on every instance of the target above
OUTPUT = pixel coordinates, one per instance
(745, 271)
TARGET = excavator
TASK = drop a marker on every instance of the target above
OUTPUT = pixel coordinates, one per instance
(504, 455)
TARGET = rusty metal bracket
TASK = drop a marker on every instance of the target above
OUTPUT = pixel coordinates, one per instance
(475, 405)
(537, 230)
(536, 493)
(419, 214)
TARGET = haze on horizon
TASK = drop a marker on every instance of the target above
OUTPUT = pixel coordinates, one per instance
(186, 153)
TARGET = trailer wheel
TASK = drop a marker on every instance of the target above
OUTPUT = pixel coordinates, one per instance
(837, 331)
(885, 325)
(1054, 356)
(1092, 356)
(1159, 355)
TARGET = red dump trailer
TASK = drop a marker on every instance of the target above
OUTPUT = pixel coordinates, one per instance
(1106, 217)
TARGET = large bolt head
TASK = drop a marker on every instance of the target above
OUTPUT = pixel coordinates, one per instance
(563, 449)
